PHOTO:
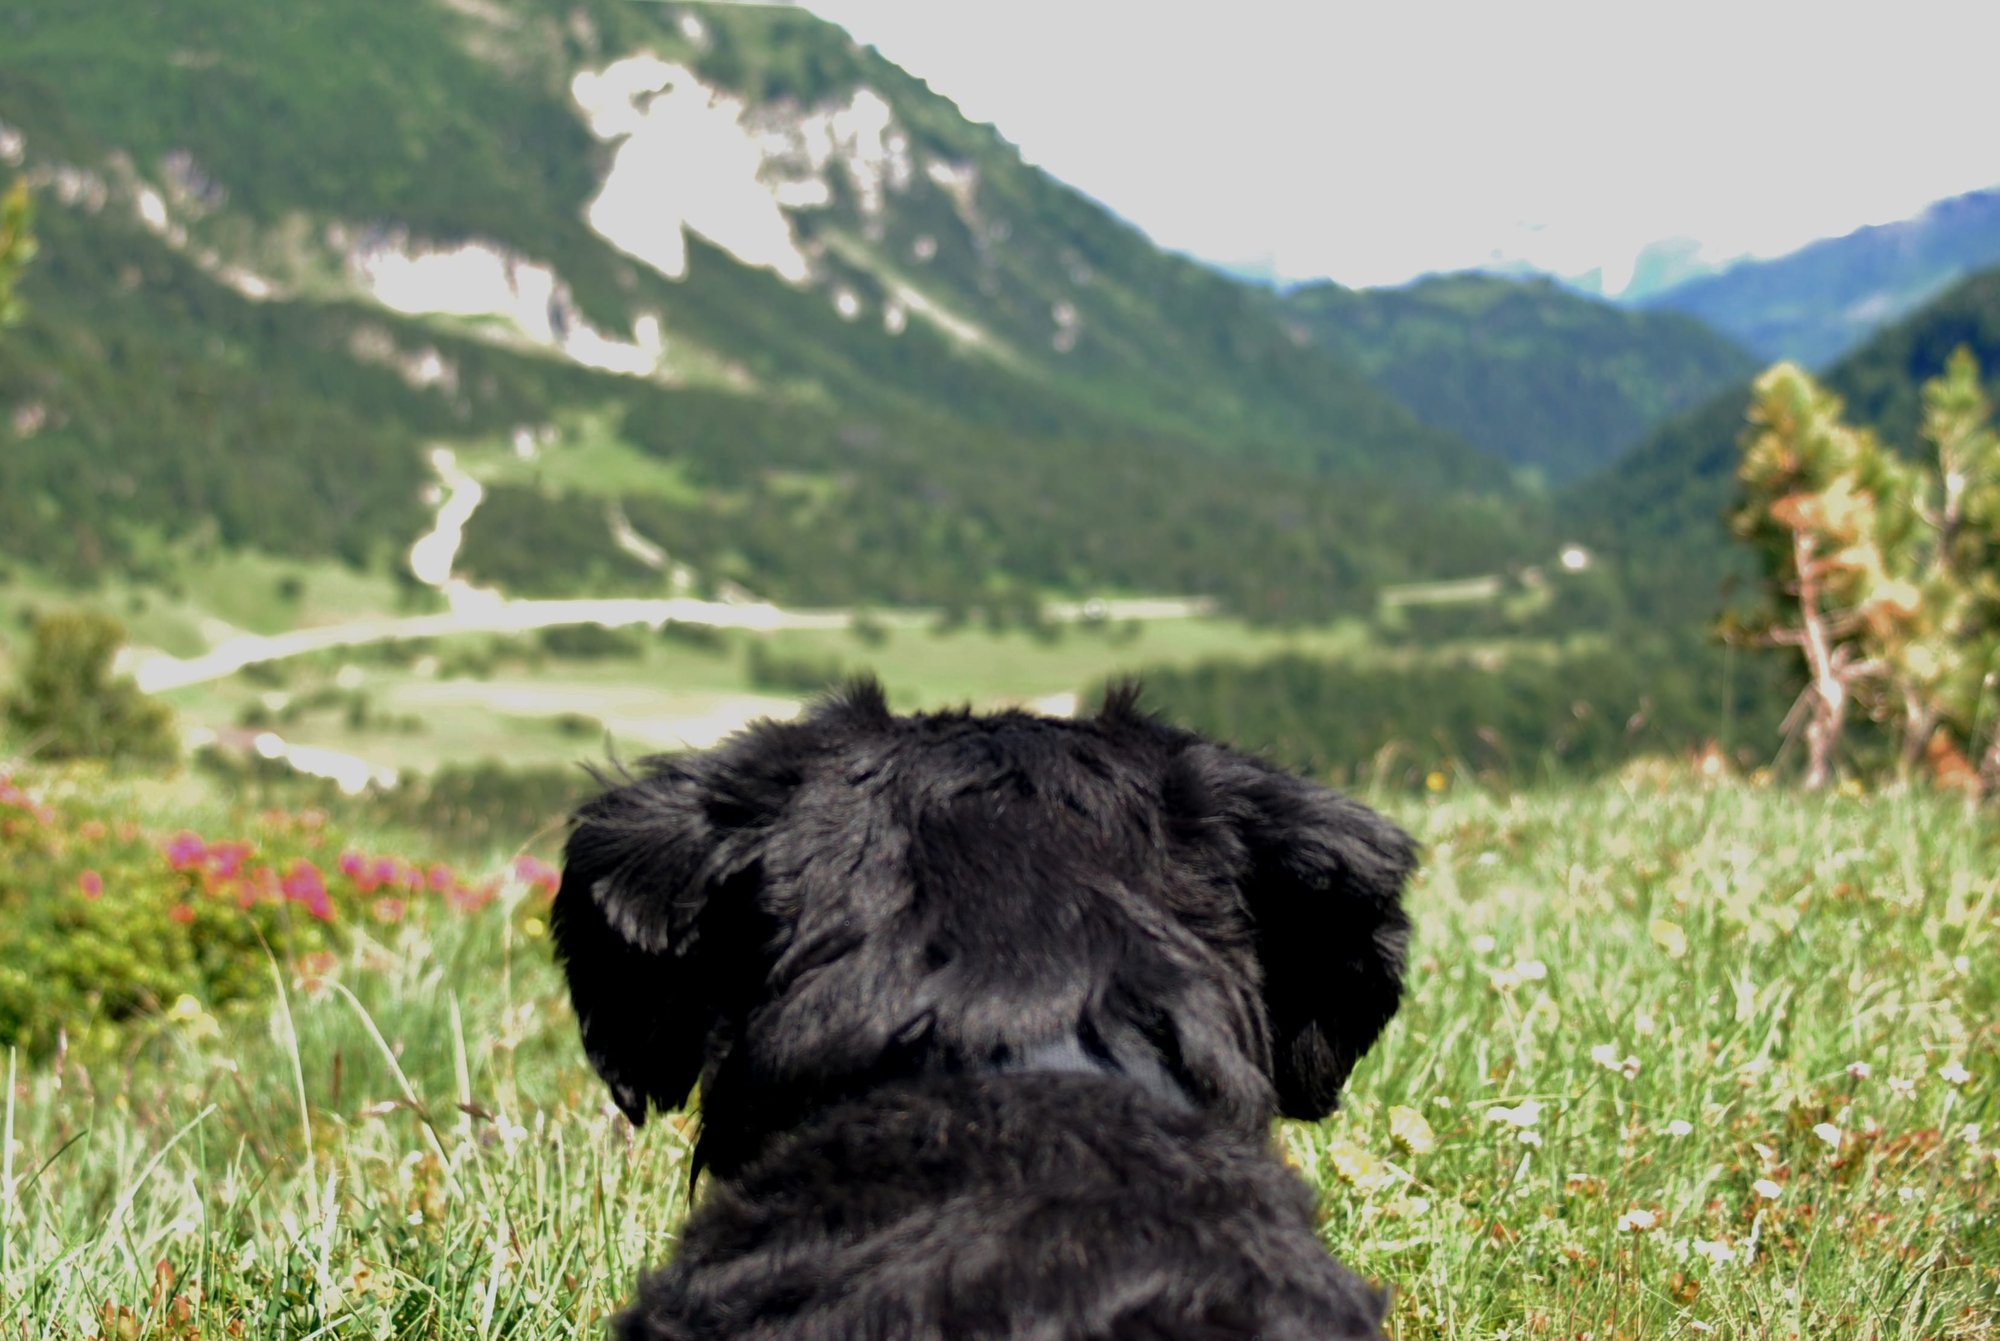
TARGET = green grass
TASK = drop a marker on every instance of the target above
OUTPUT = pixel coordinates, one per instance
(453, 1170)
(588, 457)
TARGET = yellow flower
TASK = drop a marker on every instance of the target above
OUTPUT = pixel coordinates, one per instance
(1408, 1129)
(1357, 1167)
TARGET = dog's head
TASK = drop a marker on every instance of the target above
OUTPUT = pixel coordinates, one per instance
(822, 905)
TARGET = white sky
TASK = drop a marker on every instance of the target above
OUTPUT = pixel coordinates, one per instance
(1373, 142)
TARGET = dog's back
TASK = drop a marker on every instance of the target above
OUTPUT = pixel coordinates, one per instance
(990, 1016)
(1020, 1205)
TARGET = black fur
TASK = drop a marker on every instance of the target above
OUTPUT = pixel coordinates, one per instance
(990, 1016)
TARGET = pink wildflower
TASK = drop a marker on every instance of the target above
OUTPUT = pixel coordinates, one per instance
(186, 851)
(226, 859)
(441, 877)
(532, 870)
(462, 899)
(92, 885)
(368, 876)
(389, 911)
(304, 884)
(182, 913)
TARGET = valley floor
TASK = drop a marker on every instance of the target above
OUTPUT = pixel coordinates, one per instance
(1677, 1060)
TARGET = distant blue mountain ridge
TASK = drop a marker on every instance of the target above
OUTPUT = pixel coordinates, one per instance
(1815, 304)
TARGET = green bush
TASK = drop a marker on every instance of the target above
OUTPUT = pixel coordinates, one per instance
(592, 642)
(68, 704)
(104, 924)
(803, 674)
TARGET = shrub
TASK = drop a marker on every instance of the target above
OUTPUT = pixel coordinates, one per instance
(793, 674)
(103, 924)
(592, 642)
(68, 703)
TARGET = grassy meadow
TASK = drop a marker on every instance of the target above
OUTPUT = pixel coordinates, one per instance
(1680, 1058)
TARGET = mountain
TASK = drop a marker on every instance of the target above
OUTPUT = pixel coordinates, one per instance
(708, 274)
(1816, 303)
(1554, 383)
(1660, 508)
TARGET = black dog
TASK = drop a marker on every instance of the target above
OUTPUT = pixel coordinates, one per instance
(991, 1015)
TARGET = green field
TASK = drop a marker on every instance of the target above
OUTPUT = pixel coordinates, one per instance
(473, 697)
(1677, 1060)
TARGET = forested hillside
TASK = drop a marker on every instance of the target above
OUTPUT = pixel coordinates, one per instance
(1660, 508)
(852, 350)
(1553, 382)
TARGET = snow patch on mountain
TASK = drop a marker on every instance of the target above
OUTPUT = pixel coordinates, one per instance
(481, 279)
(692, 157)
(684, 161)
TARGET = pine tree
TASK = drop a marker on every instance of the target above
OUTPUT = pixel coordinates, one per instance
(1962, 585)
(1885, 575)
(70, 703)
(1832, 512)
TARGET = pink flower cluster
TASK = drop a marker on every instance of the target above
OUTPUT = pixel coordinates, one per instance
(370, 874)
(226, 871)
(13, 798)
(229, 870)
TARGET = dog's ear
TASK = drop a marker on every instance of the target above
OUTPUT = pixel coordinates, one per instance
(1322, 878)
(656, 920)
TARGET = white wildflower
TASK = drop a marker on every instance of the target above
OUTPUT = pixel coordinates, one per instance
(1638, 1221)
(1680, 1127)
(1767, 1189)
(1829, 1133)
(1483, 945)
(1860, 1070)
(1713, 1251)
(1526, 1114)
(1606, 1056)
(1954, 1073)
(1901, 1088)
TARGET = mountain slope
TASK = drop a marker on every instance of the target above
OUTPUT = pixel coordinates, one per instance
(1661, 506)
(277, 269)
(1544, 378)
(1821, 300)
(583, 143)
